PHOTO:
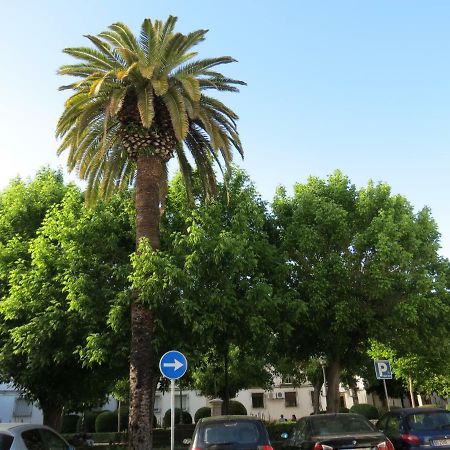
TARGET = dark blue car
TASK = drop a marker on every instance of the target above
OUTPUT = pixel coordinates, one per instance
(417, 428)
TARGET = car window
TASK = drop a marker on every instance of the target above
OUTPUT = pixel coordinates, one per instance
(427, 421)
(393, 425)
(382, 423)
(52, 441)
(32, 440)
(340, 424)
(42, 439)
(226, 432)
(299, 431)
(5, 441)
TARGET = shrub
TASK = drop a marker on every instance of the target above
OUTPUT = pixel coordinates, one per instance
(368, 411)
(86, 422)
(187, 418)
(69, 423)
(106, 422)
(236, 408)
(204, 411)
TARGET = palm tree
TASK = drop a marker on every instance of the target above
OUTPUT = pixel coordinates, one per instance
(137, 103)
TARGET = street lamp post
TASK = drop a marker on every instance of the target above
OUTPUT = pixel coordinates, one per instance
(323, 363)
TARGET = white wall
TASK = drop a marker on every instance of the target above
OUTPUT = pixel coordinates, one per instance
(8, 396)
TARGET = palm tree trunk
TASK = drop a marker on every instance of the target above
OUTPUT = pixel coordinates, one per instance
(143, 364)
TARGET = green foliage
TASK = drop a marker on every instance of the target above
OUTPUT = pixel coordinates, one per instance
(69, 423)
(86, 422)
(187, 418)
(236, 408)
(275, 429)
(66, 307)
(362, 265)
(368, 411)
(149, 86)
(204, 411)
(106, 422)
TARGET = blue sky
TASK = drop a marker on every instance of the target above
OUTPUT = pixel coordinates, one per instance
(361, 86)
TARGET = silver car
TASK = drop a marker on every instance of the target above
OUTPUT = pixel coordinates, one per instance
(28, 436)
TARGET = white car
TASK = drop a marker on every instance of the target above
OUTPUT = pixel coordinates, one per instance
(28, 436)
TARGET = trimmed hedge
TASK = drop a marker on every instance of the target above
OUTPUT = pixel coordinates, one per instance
(187, 418)
(204, 411)
(235, 408)
(86, 422)
(106, 422)
(69, 423)
(368, 411)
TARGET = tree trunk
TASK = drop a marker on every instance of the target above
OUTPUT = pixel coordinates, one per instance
(52, 415)
(316, 396)
(226, 402)
(333, 379)
(143, 365)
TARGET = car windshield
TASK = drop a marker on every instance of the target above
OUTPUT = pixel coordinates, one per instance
(5, 441)
(427, 421)
(340, 425)
(230, 432)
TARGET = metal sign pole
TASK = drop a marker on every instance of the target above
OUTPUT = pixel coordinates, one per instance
(172, 414)
(385, 391)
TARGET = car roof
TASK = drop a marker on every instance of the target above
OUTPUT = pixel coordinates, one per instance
(228, 418)
(333, 415)
(20, 426)
(423, 409)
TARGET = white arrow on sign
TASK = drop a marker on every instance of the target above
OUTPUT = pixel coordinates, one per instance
(176, 364)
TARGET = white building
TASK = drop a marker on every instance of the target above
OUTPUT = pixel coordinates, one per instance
(284, 399)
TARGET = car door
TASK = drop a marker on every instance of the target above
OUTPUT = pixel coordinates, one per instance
(297, 438)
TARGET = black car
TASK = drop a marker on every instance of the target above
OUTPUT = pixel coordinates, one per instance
(417, 428)
(230, 433)
(336, 431)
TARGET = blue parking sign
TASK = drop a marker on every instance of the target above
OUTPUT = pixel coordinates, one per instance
(383, 369)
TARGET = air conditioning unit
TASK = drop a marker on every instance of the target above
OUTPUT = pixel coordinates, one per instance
(279, 395)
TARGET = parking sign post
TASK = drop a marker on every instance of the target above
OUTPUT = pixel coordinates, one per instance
(383, 372)
(173, 365)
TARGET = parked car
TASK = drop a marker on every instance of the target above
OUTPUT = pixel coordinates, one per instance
(230, 433)
(27, 436)
(417, 428)
(336, 431)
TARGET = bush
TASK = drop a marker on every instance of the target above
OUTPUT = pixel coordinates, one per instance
(204, 411)
(187, 418)
(86, 422)
(106, 422)
(236, 408)
(69, 423)
(368, 411)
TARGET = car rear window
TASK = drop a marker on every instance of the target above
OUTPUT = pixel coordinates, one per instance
(5, 441)
(427, 421)
(245, 432)
(341, 424)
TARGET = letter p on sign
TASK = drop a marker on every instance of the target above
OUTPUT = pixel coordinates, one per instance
(383, 369)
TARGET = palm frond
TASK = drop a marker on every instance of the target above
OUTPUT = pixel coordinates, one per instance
(94, 57)
(175, 105)
(146, 107)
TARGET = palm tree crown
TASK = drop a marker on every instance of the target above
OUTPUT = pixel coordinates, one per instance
(144, 96)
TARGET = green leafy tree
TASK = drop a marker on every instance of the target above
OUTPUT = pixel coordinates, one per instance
(137, 101)
(23, 206)
(213, 272)
(362, 265)
(63, 320)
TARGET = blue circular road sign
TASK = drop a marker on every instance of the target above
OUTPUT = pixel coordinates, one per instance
(173, 365)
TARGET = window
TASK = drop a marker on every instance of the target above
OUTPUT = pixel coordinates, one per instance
(257, 400)
(287, 379)
(179, 400)
(22, 408)
(290, 399)
(5, 441)
(342, 400)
